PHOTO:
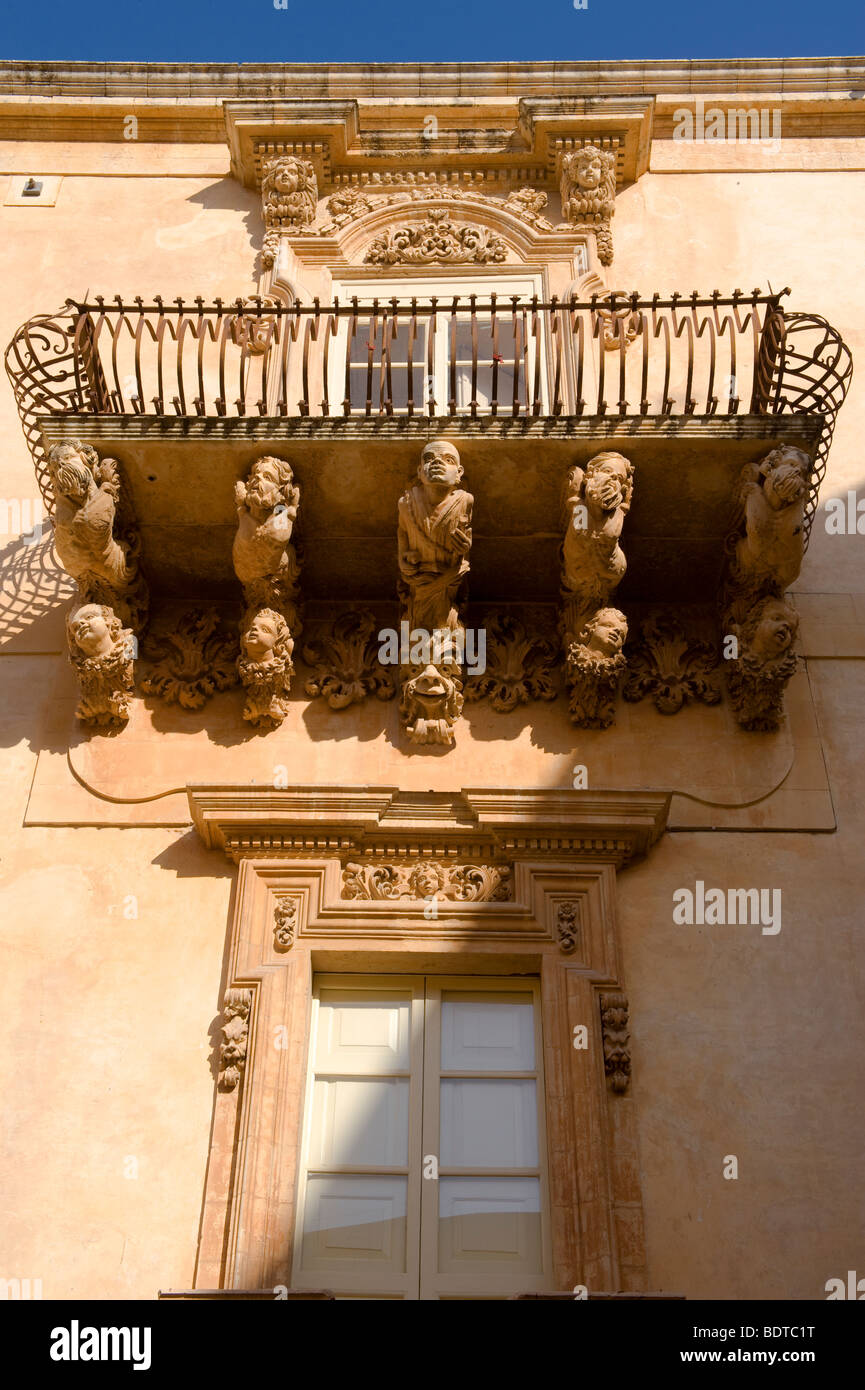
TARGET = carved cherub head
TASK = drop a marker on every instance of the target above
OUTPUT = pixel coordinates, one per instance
(93, 630)
(769, 631)
(587, 167)
(785, 476)
(72, 467)
(605, 633)
(440, 464)
(609, 481)
(289, 189)
(426, 880)
(267, 639)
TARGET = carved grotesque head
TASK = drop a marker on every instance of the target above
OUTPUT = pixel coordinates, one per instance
(605, 633)
(440, 464)
(770, 630)
(267, 638)
(93, 630)
(608, 483)
(433, 693)
(785, 473)
(270, 483)
(71, 467)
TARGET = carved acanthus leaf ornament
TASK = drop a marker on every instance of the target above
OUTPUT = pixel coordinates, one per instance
(192, 660)
(671, 667)
(347, 668)
(519, 665)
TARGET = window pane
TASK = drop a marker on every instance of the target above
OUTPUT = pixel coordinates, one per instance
(488, 1031)
(358, 1122)
(489, 1124)
(491, 1224)
(363, 1032)
(354, 1223)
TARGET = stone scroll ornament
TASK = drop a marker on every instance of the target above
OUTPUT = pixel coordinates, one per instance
(347, 667)
(434, 541)
(266, 563)
(289, 200)
(597, 500)
(101, 651)
(588, 188)
(766, 550)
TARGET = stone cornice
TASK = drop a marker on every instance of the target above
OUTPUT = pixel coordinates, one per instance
(612, 826)
(646, 77)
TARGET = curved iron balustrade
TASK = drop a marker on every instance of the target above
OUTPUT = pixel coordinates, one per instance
(491, 355)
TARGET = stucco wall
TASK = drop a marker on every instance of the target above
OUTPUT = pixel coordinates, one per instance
(743, 1042)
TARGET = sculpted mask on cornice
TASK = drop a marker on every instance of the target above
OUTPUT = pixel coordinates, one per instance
(588, 187)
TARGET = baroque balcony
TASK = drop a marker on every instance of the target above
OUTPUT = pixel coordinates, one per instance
(188, 394)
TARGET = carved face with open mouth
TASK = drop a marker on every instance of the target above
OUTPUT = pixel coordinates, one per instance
(430, 692)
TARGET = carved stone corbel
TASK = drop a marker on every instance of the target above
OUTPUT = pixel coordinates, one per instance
(434, 541)
(235, 1037)
(588, 188)
(597, 500)
(266, 563)
(95, 535)
(347, 666)
(767, 546)
(617, 1051)
(289, 199)
(101, 650)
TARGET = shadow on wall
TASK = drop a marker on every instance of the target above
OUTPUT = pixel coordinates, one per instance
(230, 197)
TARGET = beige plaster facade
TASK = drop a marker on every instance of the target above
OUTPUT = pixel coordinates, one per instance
(142, 866)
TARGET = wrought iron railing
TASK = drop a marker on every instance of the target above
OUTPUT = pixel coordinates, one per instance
(613, 355)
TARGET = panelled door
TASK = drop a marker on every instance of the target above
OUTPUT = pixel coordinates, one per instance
(423, 1167)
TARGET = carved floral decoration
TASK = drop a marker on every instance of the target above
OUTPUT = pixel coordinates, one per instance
(568, 927)
(437, 239)
(284, 924)
(347, 668)
(192, 660)
(519, 665)
(671, 667)
(427, 879)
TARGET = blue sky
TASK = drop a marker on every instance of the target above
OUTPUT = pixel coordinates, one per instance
(433, 30)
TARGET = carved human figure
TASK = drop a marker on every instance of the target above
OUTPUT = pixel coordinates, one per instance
(597, 500)
(434, 540)
(289, 200)
(772, 497)
(265, 561)
(265, 667)
(103, 564)
(595, 664)
(101, 650)
(757, 678)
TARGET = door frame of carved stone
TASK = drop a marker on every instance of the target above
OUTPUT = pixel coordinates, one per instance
(291, 922)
